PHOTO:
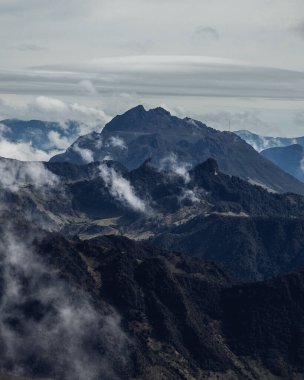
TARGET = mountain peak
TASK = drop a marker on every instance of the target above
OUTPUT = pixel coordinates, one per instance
(140, 109)
(139, 119)
(160, 111)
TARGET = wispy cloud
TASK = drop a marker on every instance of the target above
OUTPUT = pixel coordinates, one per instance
(85, 154)
(48, 108)
(57, 326)
(160, 75)
(172, 164)
(121, 189)
(207, 31)
(24, 151)
(15, 175)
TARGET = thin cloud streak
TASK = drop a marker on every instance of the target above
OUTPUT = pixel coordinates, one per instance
(158, 75)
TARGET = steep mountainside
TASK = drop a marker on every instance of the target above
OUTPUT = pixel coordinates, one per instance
(179, 318)
(201, 212)
(289, 158)
(69, 194)
(249, 249)
(169, 141)
(260, 143)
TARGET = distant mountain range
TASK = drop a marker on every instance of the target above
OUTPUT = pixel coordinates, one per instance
(260, 143)
(177, 143)
(41, 135)
(286, 153)
(289, 158)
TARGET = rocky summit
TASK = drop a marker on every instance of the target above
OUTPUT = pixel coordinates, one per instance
(167, 140)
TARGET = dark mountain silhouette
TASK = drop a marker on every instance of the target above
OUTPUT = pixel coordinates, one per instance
(184, 318)
(138, 134)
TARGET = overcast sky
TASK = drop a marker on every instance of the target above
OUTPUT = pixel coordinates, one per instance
(213, 60)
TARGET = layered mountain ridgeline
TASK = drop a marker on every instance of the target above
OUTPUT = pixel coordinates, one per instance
(180, 318)
(69, 194)
(260, 143)
(254, 234)
(289, 158)
(138, 135)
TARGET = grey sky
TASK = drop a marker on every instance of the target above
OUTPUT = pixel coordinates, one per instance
(204, 58)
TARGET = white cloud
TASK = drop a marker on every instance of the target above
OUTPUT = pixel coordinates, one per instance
(59, 141)
(180, 168)
(121, 189)
(15, 174)
(88, 87)
(116, 142)
(85, 154)
(52, 109)
(47, 108)
(192, 195)
(61, 337)
(24, 151)
(49, 104)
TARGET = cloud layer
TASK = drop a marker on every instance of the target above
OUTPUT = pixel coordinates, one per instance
(154, 75)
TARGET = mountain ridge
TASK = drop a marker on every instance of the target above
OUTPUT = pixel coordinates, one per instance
(177, 211)
(138, 134)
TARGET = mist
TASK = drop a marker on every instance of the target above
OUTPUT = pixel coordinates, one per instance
(48, 328)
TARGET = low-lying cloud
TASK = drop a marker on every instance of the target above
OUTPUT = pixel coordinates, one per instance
(47, 328)
(174, 165)
(15, 175)
(85, 154)
(59, 134)
(121, 189)
(24, 151)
